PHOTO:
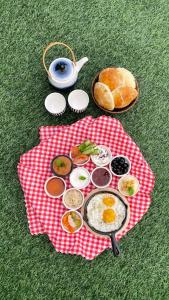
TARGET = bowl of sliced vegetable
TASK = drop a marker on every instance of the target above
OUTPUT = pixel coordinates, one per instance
(71, 221)
(80, 154)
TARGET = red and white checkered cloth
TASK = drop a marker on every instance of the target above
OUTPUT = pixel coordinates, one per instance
(44, 213)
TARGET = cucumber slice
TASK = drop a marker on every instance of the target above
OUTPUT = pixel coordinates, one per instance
(91, 150)
(87, 143)
(84, 145)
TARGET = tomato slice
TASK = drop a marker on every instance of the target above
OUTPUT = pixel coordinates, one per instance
(80, 159)
(75, 151)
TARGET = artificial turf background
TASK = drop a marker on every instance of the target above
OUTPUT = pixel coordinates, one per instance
(133, 34)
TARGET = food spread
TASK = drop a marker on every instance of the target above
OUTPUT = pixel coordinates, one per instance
(105, 213)
(116, 88)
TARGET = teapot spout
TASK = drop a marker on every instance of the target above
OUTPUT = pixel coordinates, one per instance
(80, 63)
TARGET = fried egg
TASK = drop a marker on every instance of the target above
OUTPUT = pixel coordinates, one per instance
(105, 212)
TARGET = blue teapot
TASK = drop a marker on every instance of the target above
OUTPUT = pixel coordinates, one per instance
(63, 72)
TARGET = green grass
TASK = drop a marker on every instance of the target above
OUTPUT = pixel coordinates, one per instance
(129, 33)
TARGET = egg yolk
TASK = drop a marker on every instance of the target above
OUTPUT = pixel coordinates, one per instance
(109, 215)
(109, 201)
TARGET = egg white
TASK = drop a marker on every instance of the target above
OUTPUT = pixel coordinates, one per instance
(95, 211)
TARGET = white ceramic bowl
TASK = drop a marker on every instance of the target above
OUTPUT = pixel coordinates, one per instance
(78, 100)
(129, 177)
(100, 187)
(94, 157)
(74, 175)
(45, 187)
(55, 104)
(80, 218)
(126, 160)
(68, 207)
(70, 154)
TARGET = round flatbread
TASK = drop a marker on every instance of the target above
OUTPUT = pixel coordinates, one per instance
(128, 78)
(117, 77)
(103, 96)
(123, 96)
(112, 77)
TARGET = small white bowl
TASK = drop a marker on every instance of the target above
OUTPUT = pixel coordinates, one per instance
(122, 179)
(74, 176)
(80, 225)
(55, 104)
(68, 207)
(70, 154)
(45, 187)
(103, 186)
(94, 157)
(78, 101)
(126, 160)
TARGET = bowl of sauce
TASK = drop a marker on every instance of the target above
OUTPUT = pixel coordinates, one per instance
(61, 165)
(55, 187)
(101, 177)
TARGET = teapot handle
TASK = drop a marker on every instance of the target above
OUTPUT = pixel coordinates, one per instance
(50, 45)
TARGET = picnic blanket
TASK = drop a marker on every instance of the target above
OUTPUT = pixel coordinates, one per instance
(44, 213)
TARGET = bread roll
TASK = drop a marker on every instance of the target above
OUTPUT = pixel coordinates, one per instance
(123, 96)
(103, 96)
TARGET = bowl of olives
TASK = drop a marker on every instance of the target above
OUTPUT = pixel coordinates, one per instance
(120, 165)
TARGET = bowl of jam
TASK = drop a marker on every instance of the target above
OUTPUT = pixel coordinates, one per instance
(101, 177)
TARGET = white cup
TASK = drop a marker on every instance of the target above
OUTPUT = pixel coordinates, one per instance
(55, 104)
(78, 100)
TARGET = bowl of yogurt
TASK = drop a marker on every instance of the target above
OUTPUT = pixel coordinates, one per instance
(103, 158)
(80, 178)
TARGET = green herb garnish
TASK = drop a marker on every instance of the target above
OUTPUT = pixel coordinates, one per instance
(130, 191)
(82, 177)
(60, 163)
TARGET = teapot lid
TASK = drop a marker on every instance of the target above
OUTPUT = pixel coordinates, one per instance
(61, 69)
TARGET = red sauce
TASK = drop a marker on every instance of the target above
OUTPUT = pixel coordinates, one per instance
(55, 186)
(101, 177)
